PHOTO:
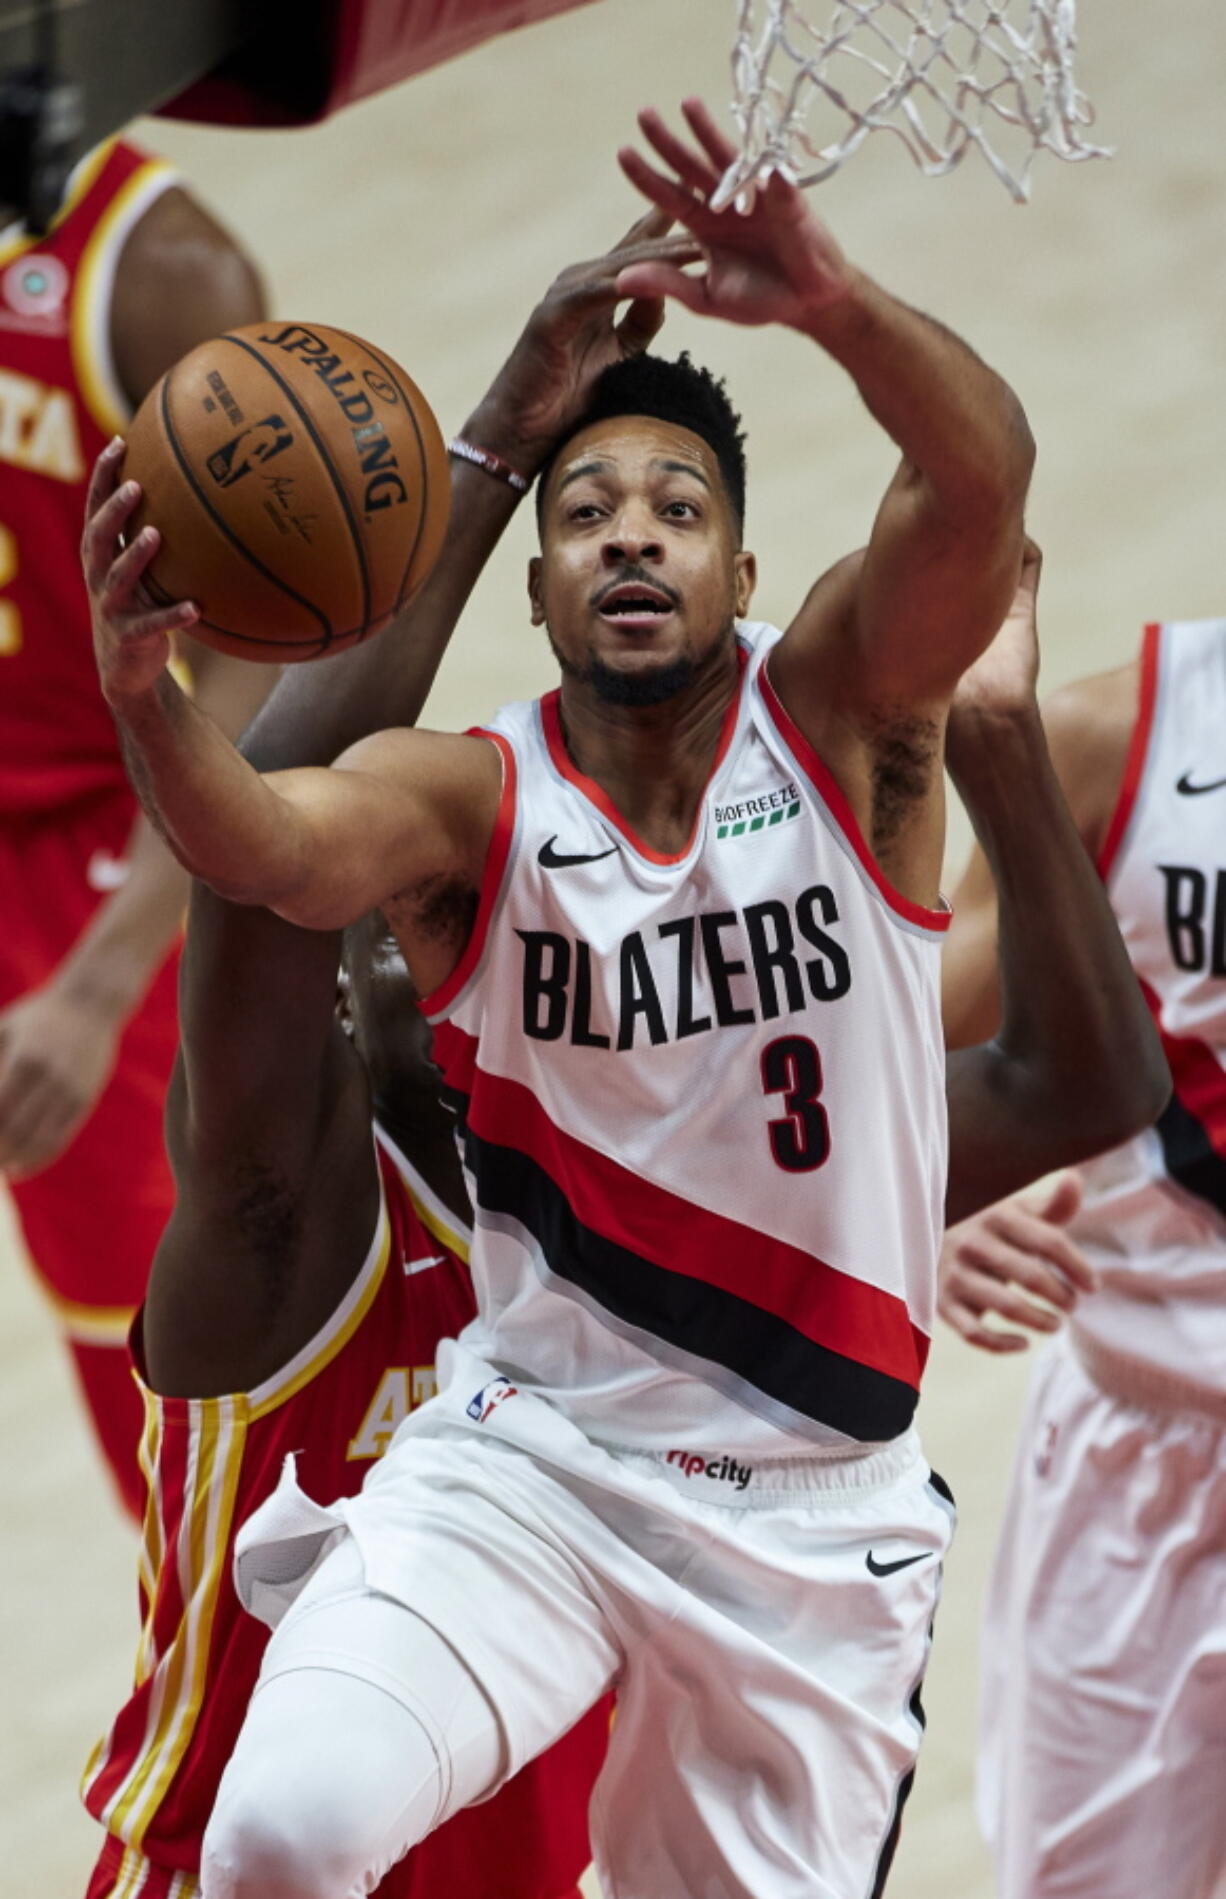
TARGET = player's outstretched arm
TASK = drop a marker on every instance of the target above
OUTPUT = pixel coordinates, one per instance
(319, 847)
(1076, 1065)
(268, 1133)
(572, 335)
(945, 550)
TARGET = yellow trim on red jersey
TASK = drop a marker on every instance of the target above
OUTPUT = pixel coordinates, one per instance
(82, 179)
(89, 1325)
(153, 1545)
(336, 1333)
(218, 1441)
(447, 1235)
(91, 302)
(437, 1218)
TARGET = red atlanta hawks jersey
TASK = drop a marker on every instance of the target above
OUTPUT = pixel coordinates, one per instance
(60, 403)
(702, 1100)
(209, 1462)
(1154, 1216)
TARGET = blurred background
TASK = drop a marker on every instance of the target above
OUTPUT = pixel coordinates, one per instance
(430, 219)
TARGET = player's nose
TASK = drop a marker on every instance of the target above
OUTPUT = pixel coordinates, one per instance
(632, 535)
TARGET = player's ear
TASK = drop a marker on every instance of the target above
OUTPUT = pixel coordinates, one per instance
(746, 580)
(534, 591)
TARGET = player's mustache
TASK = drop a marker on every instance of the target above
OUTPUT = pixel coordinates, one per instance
(636, 576)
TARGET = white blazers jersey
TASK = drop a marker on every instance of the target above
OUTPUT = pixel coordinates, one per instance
(702, 1101)
(1154, 1218)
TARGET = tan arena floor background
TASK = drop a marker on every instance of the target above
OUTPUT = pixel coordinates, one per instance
(430, 219)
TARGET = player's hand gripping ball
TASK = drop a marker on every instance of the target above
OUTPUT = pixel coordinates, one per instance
(299, 483)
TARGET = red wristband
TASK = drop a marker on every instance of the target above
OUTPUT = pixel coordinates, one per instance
(492, 464)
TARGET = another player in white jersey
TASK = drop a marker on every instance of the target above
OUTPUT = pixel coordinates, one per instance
(1104, 1716)
(679, 927)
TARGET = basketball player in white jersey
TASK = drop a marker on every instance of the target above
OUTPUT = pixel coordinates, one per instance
(1104, 1690)
(674, 1451)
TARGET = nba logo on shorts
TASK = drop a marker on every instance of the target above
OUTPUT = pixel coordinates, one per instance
(490, 1397)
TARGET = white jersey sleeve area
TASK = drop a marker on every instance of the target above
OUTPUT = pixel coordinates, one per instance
(1154, 1213)
(702, 1101)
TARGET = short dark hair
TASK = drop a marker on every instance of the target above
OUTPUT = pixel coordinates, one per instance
(681, 392)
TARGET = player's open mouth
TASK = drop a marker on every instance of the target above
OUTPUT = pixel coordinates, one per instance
(635, 608)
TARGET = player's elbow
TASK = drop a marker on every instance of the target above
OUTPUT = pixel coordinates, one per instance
(1110, 1102)
(998, 469)
(1142, 1092)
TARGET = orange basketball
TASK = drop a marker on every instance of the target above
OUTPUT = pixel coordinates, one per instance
(300, 485)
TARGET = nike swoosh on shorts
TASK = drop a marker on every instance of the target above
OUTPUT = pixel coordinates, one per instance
(887, 1569)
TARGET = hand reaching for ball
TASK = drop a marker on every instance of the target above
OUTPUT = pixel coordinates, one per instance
(132, 638)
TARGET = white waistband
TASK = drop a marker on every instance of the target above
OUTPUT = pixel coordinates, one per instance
(1137, 1382)
(715, 1476)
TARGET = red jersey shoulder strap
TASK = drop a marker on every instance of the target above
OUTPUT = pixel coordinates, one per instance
(126, 185)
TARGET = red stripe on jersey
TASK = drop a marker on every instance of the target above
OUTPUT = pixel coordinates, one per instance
(441, 999)
(455, 1052)
(1138, 746)
(1198, 1077)
(832, 797)
(551, 726)
(826, 1306)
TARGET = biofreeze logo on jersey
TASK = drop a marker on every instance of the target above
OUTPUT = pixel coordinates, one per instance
(715, 970)
(757, 814)
(719, 1469)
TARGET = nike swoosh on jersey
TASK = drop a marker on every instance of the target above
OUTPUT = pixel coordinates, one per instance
(1189, 790)
(887, 1569)
(420, 1265)
(557, 860)
(105, 872)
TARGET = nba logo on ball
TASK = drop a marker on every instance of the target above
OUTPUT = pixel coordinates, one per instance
(243, 451)
(490, 1397)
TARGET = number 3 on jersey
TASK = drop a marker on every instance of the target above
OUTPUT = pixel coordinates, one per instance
(800, 1139)
(10, 619)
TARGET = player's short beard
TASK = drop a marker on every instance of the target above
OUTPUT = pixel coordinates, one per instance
(654, 687)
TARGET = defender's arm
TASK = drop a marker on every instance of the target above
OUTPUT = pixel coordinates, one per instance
(1076, 1065)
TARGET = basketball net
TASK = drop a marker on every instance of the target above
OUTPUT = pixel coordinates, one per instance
(942, 75)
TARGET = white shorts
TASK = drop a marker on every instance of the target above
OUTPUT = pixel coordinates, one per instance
(766, 1629)
(1103, 1727)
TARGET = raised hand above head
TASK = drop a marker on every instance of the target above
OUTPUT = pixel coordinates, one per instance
(572, 335)
(775, 263)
